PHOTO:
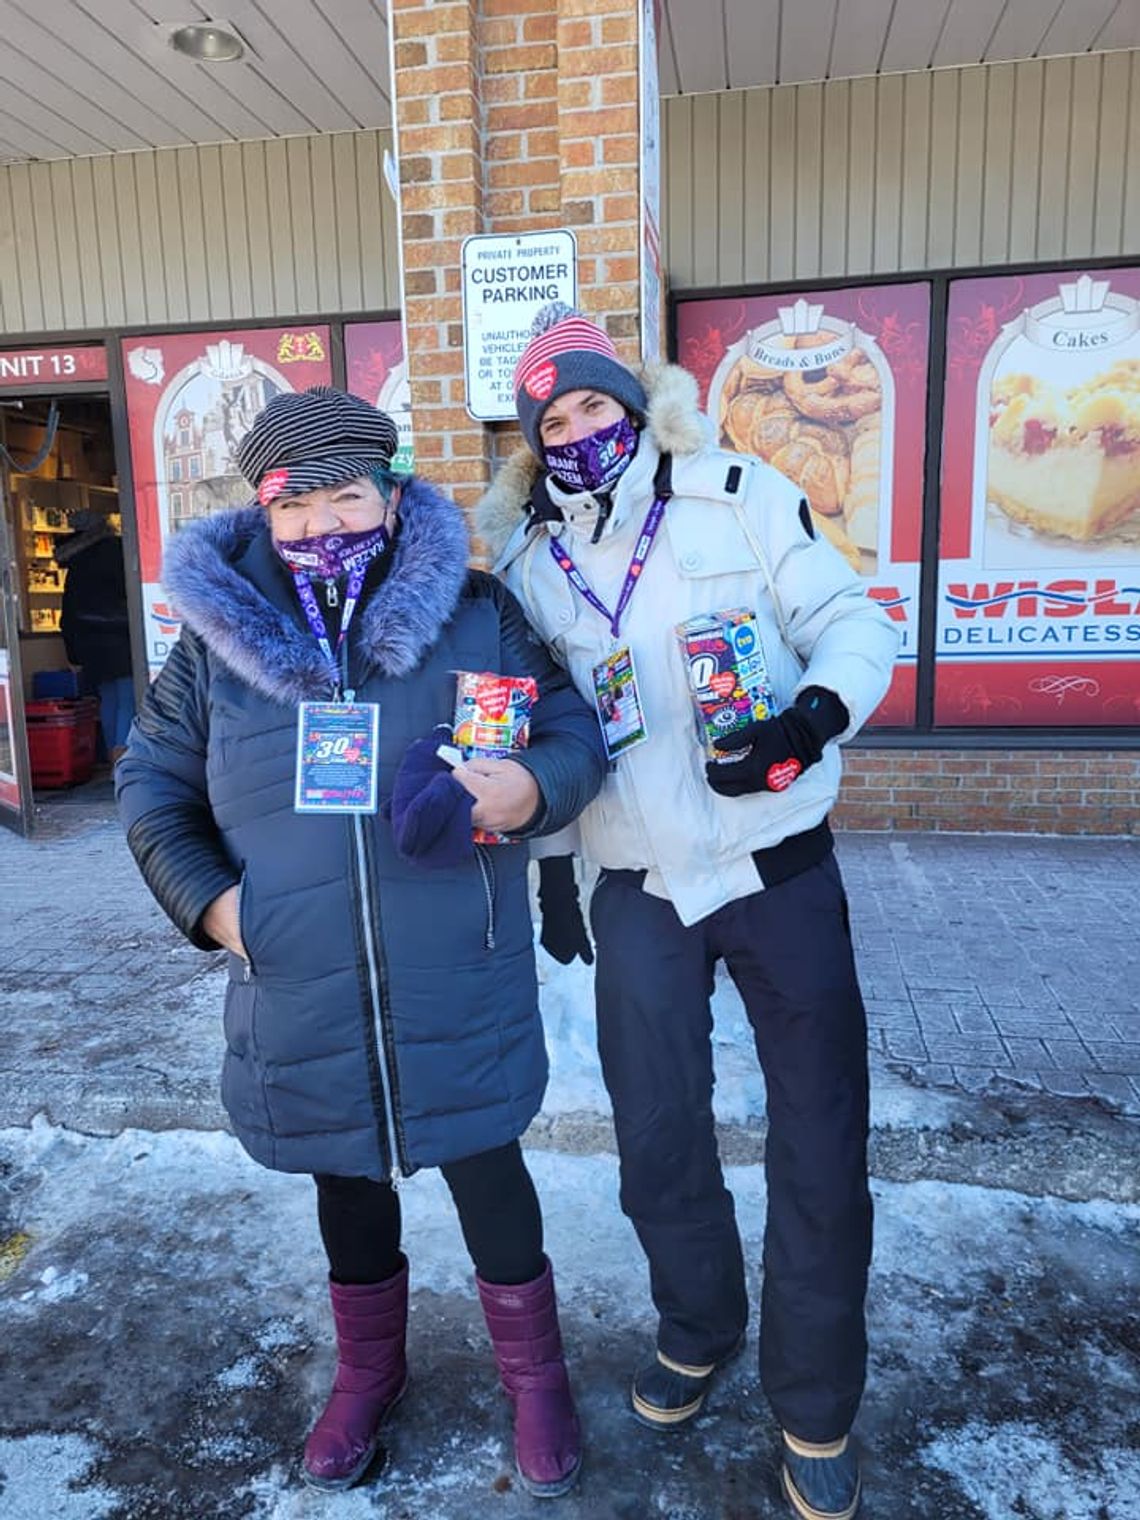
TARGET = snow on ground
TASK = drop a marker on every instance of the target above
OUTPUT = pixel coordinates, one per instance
(165, 1343)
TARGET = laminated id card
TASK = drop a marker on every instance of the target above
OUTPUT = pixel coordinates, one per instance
(618, 702)
(337, 757)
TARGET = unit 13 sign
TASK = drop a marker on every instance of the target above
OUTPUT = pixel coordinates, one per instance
(506, 281)
(49, 366)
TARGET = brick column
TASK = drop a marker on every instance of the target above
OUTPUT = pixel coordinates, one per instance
(511, 116)
(439, 141)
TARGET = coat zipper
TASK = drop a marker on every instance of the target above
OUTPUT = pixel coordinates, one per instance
(247, 959)
(487, 871)
(376, 995)
(396, 1175)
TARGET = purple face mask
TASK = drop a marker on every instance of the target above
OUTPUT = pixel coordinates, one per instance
(596, 462)
(328, 556)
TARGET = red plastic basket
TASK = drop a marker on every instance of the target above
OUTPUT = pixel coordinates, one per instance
(61, 741)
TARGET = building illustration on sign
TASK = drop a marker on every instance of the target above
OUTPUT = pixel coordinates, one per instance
(207, 411)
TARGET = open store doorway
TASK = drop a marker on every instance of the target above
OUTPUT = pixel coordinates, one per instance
(70, 676)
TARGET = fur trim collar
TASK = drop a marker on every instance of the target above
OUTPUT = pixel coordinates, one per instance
(266, 647)
(674, 423)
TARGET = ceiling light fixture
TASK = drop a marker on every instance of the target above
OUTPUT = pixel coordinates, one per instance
(207, 44)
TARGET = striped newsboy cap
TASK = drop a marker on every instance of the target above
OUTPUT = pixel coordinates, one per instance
(319, 437)
(568, 352)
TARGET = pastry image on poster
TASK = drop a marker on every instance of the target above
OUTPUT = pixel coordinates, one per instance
(1038, 612)
(829, 387)
(1057, 472)
(813, 395)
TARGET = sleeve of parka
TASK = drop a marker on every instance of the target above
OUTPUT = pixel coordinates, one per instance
(160, 784)
(565, 754)
(843, 638)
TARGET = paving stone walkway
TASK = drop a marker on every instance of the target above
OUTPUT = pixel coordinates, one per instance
(990, 964)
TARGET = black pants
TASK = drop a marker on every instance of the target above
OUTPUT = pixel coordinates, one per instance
(788, 949)
(498, 1214)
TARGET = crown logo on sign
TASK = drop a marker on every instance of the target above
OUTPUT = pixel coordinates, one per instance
(227, 361)
(800, 318)
(1084, 294)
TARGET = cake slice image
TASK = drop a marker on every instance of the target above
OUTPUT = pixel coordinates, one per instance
(1067, 463)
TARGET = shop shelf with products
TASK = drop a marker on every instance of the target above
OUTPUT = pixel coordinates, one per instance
(43, 512)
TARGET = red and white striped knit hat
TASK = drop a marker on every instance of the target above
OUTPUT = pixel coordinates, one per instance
(568, 352)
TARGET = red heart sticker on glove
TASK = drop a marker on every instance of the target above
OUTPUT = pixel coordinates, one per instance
(781, 775)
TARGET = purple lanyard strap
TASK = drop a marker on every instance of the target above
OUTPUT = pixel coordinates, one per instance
(636, 565)
(316, 620)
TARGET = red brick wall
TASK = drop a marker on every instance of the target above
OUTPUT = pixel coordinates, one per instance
(991, 790)
(511, 115)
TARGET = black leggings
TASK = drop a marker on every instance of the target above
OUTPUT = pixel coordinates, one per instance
(498, 1214)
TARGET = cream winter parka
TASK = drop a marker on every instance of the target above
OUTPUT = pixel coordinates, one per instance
(736, 533)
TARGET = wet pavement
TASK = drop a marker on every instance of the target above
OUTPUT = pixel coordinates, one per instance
(164, 1331)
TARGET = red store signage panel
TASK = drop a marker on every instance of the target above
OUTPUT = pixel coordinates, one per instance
(1039, 563)
(375, 371)
(190, 400)
(830, 387)
(21, 367)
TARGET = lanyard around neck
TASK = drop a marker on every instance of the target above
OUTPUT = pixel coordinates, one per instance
(632, 575)
(315, 618)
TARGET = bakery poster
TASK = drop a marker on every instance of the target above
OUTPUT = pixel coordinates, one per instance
(190, 400)
(830, 387)
(1038, 618)
(375, 369)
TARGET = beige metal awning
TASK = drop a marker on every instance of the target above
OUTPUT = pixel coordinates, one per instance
(733, 44)
(82, 77)
(100, 76)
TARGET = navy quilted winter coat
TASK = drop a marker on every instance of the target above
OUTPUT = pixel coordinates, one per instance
(388, 1017)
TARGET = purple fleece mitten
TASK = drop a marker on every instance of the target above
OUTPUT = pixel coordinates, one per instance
(430, 811)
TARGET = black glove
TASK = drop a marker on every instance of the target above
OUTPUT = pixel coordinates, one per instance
(778, 749)
(563, 928)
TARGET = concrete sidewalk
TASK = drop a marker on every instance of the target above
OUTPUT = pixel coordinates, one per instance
(164, 1328)
(997, 965)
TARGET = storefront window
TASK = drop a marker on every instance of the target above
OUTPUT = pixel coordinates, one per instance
(1039, 562)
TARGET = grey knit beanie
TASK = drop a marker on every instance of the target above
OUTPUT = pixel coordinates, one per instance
(568, 352)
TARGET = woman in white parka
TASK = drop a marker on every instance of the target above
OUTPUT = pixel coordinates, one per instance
(620, 521)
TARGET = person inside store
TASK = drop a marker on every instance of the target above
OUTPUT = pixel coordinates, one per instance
(619, 521)
(284, 799)
(95, 623)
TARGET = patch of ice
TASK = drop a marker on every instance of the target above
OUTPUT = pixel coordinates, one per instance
(1014, 1469)
(39, 1474)
(240, 1374)
(56, 1286)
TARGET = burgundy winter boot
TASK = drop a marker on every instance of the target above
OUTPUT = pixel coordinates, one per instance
(523, 1321)
(371, 1375)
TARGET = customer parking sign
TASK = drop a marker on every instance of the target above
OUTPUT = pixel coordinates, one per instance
(507, 280)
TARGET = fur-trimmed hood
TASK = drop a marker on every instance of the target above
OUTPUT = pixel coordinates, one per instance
(263, 644)
(674, 422)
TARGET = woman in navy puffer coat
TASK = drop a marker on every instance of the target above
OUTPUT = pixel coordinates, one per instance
(381, 1012)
